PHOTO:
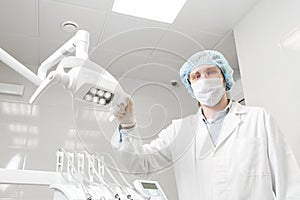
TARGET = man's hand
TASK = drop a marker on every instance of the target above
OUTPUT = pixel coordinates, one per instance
(124, 114)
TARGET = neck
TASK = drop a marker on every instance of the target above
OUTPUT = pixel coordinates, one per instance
(210, 111)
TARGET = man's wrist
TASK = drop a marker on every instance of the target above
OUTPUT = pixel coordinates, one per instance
(127, 126)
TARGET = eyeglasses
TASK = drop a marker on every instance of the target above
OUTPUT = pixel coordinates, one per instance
(210, 72)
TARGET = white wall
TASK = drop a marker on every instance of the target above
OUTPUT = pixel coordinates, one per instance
(270, 75)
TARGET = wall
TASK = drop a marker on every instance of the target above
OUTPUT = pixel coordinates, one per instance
(270, 74)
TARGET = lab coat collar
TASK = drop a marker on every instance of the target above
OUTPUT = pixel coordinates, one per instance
(237, 108)
(231, 121)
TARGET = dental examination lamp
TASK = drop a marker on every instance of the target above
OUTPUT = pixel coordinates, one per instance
(94, 87)
(87, 81)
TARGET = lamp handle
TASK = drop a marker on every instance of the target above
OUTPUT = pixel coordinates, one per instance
(53, 78)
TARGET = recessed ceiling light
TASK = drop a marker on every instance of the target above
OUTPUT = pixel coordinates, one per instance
(159, 10)
(69, 26)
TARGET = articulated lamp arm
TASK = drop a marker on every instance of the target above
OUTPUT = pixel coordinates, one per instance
(88, 81)
(19, 67)
(78, 43)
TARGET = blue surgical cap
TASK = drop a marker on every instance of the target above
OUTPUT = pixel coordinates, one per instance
(206, 57)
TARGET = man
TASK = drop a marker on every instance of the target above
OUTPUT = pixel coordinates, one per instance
(225, 151)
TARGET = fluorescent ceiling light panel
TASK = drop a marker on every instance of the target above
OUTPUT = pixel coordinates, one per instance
(159, 10)
(11, 89)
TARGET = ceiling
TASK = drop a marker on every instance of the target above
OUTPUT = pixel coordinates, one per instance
(126, 46)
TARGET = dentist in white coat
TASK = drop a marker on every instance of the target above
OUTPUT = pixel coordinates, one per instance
(225, 151)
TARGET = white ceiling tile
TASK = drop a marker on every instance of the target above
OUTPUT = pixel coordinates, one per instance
(104, 5)
(161, 70)
(171, 63)
(214, 16)
(47, 48)
(206, 40)
(124, 65)
(19, 17)
(119, 23)
(104, 57)
(140, 41)
(22, 48)
(176, 45)
(167, 54)
(135, 66)
(125, 33)
(53, 14)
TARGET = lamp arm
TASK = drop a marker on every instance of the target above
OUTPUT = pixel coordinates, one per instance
(78, 43)
(19, 67)
(53, 78)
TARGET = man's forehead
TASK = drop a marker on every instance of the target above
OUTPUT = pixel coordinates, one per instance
(202, 67)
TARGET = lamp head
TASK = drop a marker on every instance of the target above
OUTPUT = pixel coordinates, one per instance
(92, 84)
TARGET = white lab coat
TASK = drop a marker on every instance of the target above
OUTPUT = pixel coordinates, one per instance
(251, 159)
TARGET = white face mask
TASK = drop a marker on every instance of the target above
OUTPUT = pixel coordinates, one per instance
(209, 91)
